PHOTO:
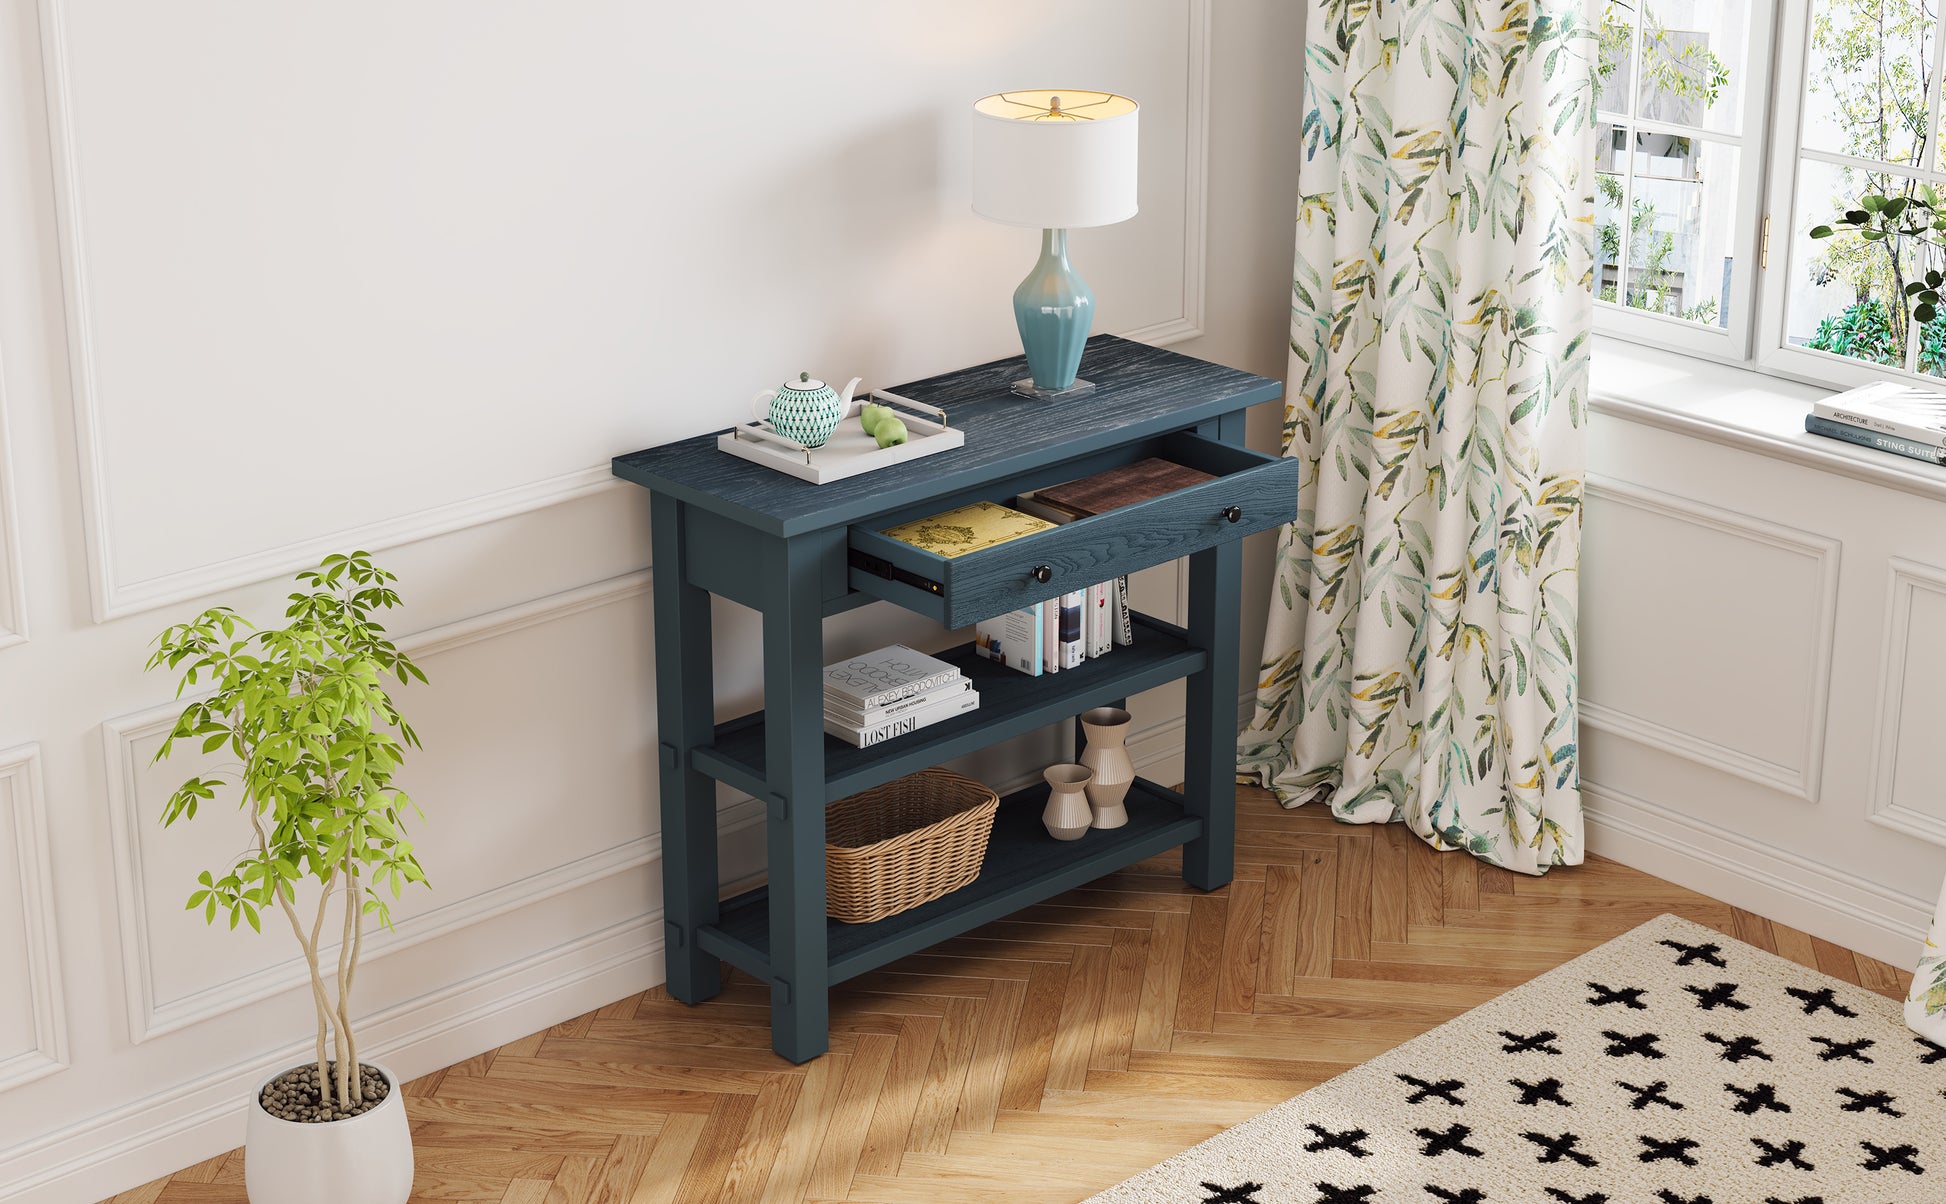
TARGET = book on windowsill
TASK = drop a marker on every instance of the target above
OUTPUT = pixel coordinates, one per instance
(1892, 408)
(1867, 438)
(958, 703)
(887, 675)
(967, 529)
(1118, 487)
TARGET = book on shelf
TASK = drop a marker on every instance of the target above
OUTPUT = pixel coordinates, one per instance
(1889, 407)
(1073, 641)
(1015, 639)
(967, 529)
(1867, 438)
(1118, 487)
(844, 712)
(1124, 620)
(1098, 620)
(886, 675)
(958, 703)
(1051, 635)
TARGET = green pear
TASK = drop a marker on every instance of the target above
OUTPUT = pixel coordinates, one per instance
(890, 432)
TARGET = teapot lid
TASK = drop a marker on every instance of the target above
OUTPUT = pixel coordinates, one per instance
(804, 383)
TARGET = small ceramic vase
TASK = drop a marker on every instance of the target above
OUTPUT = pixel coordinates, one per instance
(1925, 1004)
(1107, 756)
(1068, 815)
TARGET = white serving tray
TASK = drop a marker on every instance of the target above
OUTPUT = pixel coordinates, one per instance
(850, 451)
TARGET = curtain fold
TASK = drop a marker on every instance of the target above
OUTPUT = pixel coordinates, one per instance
(1420, 655)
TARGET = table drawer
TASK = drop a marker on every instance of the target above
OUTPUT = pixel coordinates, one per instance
(1252, 492)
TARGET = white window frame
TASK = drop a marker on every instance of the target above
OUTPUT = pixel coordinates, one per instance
(1775, 355)
(1731, 342)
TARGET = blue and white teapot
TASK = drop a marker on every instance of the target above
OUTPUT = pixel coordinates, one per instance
(804, 409)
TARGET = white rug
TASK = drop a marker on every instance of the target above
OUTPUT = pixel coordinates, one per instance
(1672, 1065)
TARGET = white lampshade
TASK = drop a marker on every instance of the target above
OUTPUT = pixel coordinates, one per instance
(1054, 158)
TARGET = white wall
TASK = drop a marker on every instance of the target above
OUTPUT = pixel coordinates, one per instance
(278, 281)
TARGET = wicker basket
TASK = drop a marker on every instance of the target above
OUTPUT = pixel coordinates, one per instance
(893, 847)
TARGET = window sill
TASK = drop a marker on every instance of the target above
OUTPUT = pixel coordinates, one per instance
(1739, 408)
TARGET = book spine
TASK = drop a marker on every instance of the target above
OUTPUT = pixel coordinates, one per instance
(1051, 658)
(1074, 642)
(1100, 637)
(879, 698)
(865, 737)
(1872, 439)
(871, 715)
(1880, 424)
(1124, 622)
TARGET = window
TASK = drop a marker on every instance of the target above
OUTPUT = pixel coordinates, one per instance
(1864, 119)
(1681, 101)
(1727, 130)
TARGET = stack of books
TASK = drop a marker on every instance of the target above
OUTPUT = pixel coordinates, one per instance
(895, 690)
(1887, 415)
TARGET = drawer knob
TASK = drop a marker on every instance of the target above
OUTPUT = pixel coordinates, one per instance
(1233, 513)
(1043, 573)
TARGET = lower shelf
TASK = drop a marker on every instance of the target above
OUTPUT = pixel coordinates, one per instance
(1023, 865)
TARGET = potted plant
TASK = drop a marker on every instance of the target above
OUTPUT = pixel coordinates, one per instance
(304, 711)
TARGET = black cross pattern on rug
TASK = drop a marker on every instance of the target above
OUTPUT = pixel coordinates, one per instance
(1722, 995)
(1822, 999)
(1331, 1193)
(1628, 997)
(1883, 1158)
(1877, 1101)
(1697, 953)
(1674, 1150)
(1642, 1045)
(1533, 1095)
(1668, 1197)
(1593, 1197)
(1453, 1138)
(1654, 1093)
(1541, 1042)
(1465, 1195)
(1789, 1154)
(1854, 1051)
(1346, 1141)
(1445, 1089)
(1242, 1193)
(1752, 1100)
(1738, 1049)
(1799, 1200)
(1555, 1149)
(1929, 1053)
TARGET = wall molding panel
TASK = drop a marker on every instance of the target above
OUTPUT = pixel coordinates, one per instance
(26, 816)
(13, 584)
(150, 1016)
(1800, 781)
(112, 597)
(1905, 578)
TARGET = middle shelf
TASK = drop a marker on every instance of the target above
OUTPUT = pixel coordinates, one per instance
(1011, 703)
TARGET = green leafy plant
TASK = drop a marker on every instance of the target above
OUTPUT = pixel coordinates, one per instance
(1903, 219)
(1862, 332)
(304, 710)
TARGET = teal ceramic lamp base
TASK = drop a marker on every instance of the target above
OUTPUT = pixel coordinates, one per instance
(1054, 309)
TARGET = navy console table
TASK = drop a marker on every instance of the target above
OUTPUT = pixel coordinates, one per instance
(798, 552)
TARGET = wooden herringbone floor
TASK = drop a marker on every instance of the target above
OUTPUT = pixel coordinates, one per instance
(1042, 1057)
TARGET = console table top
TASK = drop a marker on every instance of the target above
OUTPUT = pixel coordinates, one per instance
(1139, 391)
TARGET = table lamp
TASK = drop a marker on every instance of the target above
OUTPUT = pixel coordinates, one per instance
(1054, 158)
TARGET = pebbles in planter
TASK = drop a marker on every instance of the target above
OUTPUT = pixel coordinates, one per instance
(294, 1095)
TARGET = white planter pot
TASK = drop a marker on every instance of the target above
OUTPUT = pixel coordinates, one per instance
(1926, 982)
(367, 1159)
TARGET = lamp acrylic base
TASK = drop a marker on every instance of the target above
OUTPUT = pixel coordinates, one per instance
(1026, 387)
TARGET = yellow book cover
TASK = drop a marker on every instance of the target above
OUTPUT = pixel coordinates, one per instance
(967, 529)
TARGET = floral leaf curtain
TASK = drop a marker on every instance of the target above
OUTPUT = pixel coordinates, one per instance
(1420, 657)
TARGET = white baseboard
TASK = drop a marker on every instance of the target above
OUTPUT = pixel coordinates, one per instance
(1843, 908)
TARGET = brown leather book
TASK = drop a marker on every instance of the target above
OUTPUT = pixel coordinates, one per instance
(1125, 486)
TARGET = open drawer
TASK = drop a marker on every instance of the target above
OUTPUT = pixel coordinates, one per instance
(1252, 492)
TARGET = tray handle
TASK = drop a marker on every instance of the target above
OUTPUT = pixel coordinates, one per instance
(758, 434)
(918, 407)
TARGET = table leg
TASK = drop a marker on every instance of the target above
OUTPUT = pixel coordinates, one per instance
(1210, 701)
(685, 695)
(794, 759)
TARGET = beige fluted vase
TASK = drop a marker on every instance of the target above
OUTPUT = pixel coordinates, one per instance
(1067, 816)
(1107, 755)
